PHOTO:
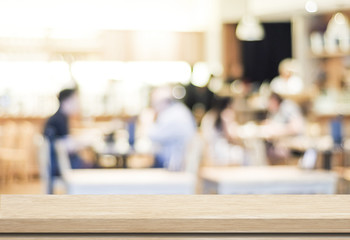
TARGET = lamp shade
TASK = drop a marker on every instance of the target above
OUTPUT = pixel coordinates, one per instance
(338, 29)
(250, 29)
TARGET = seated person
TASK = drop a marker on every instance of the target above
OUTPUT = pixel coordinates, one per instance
(57, 127)
(173, 129)
(218, 130)
(285, 119)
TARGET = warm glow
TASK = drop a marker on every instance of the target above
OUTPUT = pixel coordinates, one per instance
(311, 6)
(158, 73)
(106, 14)
(201, 74)
(93, 76)
(250, 29)
(34, 77)
(127, 81)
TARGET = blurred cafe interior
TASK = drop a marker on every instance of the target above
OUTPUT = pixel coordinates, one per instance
(175, 97)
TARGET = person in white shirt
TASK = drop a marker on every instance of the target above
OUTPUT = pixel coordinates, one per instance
(217, 128)
(288, 82)
(172, 130)
(284, 117)
(285, 120)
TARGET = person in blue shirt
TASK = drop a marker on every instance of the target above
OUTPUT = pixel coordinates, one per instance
(172, 130)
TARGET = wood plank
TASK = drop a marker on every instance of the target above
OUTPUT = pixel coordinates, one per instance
(174, 236)
(174, 214)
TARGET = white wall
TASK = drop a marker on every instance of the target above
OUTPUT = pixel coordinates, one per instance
(164, 15)
(275, 10)
(179, 15)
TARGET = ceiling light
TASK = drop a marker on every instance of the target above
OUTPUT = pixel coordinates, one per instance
(250, 29)
(339, 18)
(311, 6)
(338, 27)
(338, 30)
(200, 75)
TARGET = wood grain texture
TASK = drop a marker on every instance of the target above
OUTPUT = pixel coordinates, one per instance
(172, 237)
(175, 214)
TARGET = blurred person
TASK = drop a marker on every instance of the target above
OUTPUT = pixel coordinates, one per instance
(173, 129)
(287, 82)
(218, 129)
(199, 99)
(57, 127)
(111, 97)
(285, 119)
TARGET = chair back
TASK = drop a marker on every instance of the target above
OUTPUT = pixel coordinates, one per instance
(194, 154)
(43, 146)
(26, 135)
(62, 156)
(9, 135)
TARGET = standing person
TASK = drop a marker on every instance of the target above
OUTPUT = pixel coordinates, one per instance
(172, 130)
(57, 127)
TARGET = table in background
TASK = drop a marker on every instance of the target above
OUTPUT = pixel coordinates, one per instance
(129, 181)
(267, 180)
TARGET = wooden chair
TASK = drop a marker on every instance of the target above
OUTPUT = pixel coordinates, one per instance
(26, 144)
(9, 152)
(17, 151)
(7, 143)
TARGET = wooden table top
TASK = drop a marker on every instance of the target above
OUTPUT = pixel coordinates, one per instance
(174, 214)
